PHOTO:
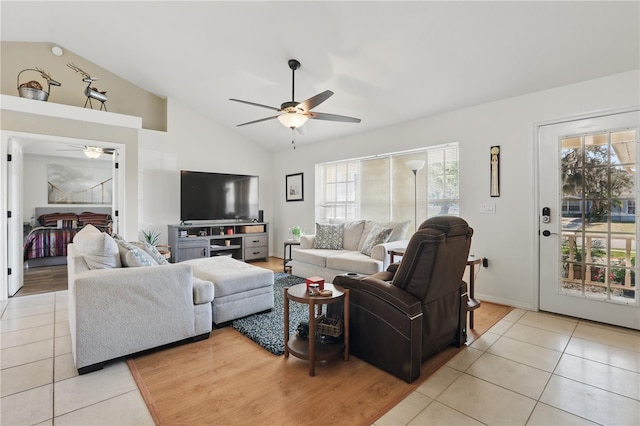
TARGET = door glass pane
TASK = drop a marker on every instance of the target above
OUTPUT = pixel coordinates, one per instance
(598, 245)
(571, 152)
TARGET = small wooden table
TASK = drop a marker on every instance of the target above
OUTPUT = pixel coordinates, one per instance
(306, 348)
(473, 303)
(286, 260)
(395, 252)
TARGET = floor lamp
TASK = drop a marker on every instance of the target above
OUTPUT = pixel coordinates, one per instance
(415, 166)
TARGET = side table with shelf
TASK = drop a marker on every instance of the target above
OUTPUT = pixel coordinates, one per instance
(288, 244)
(473, 303)
(311, 348)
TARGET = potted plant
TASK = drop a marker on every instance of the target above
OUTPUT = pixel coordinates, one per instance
(151, 236)
(296, 232)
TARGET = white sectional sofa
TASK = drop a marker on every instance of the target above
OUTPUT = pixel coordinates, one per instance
(359, 251)
(116, 311)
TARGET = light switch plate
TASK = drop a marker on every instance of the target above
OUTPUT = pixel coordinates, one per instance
(487, 208)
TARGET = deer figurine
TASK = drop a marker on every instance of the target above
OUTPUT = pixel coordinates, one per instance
(90, 92)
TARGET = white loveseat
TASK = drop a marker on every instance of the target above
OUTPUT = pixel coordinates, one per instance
(116, 311)
(308, 261)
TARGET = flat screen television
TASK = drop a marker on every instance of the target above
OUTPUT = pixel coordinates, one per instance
(218, 196)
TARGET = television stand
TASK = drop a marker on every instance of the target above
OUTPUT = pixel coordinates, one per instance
(240, 240)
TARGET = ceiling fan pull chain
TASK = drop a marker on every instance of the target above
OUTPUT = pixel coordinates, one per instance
(293, 137)
(293, 84)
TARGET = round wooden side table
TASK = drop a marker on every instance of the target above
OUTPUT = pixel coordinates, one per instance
(310, 348)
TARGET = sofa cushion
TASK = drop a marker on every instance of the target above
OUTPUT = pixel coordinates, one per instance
(329, 236)
(352, 232)
(100, 251)
(316, 257)
(354, 261)
(151, 251)
(377, 235)
(230, 276)
(133, 256)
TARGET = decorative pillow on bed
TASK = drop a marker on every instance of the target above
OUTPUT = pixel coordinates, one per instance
(100, 251)
(133, 256)
(377, 235)
(67, 224)
(95, 219)
(152, 251)
(51, 219)
(329, 236)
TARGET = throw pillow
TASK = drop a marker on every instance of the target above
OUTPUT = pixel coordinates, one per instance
(132, 256)
(329, 236)
(352, 233)
(377, 235)
(152, 251)
(100, 251)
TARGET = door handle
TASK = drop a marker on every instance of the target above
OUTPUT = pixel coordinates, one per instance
(547, 233)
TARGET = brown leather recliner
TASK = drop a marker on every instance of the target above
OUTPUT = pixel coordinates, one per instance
(400, 317)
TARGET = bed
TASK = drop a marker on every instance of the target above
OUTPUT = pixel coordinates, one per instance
(46, 244)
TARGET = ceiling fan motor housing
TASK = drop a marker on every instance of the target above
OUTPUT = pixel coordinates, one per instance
(294, 64)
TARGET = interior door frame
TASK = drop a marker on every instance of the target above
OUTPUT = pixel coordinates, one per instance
(537, 184)
(118, 191)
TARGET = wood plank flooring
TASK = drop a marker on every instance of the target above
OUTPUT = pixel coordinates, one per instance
(43, 280)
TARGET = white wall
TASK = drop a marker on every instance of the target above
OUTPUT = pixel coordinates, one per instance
(507, 238)
(35, 179)
(192, 142)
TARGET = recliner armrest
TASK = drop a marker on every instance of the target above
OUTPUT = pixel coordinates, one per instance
(394, 296)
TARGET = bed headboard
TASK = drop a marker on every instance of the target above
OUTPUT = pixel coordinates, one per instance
(72, 209)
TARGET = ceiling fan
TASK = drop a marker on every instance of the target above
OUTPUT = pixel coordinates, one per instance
(90, 151)
(294, 114)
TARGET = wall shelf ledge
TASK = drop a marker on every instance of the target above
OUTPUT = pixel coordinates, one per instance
(52, 109)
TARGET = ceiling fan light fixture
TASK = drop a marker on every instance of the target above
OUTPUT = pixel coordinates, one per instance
(93, 152)
(292, 120)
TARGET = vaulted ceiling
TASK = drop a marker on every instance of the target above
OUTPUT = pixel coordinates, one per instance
(387, 62)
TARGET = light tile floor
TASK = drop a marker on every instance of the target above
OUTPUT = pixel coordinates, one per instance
(38, 382)
(530, 368)
(533, 369)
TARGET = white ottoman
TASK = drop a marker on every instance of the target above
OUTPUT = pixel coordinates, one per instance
(240, 289)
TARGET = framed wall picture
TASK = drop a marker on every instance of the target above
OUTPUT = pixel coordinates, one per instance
(68, 184)
(294, 187)
(495, 171)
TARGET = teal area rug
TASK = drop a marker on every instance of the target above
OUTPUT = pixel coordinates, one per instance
(267, 329)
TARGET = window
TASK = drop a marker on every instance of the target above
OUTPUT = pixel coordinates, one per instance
(383, 188)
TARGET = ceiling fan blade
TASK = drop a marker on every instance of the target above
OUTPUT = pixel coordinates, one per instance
(255, 104)
(257, 121)
(333, 117)
(314, 101)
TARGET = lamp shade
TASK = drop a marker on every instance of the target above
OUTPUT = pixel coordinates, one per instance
(415, 165)
(292, 120)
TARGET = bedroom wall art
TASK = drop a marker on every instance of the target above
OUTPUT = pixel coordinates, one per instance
(78, 185)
